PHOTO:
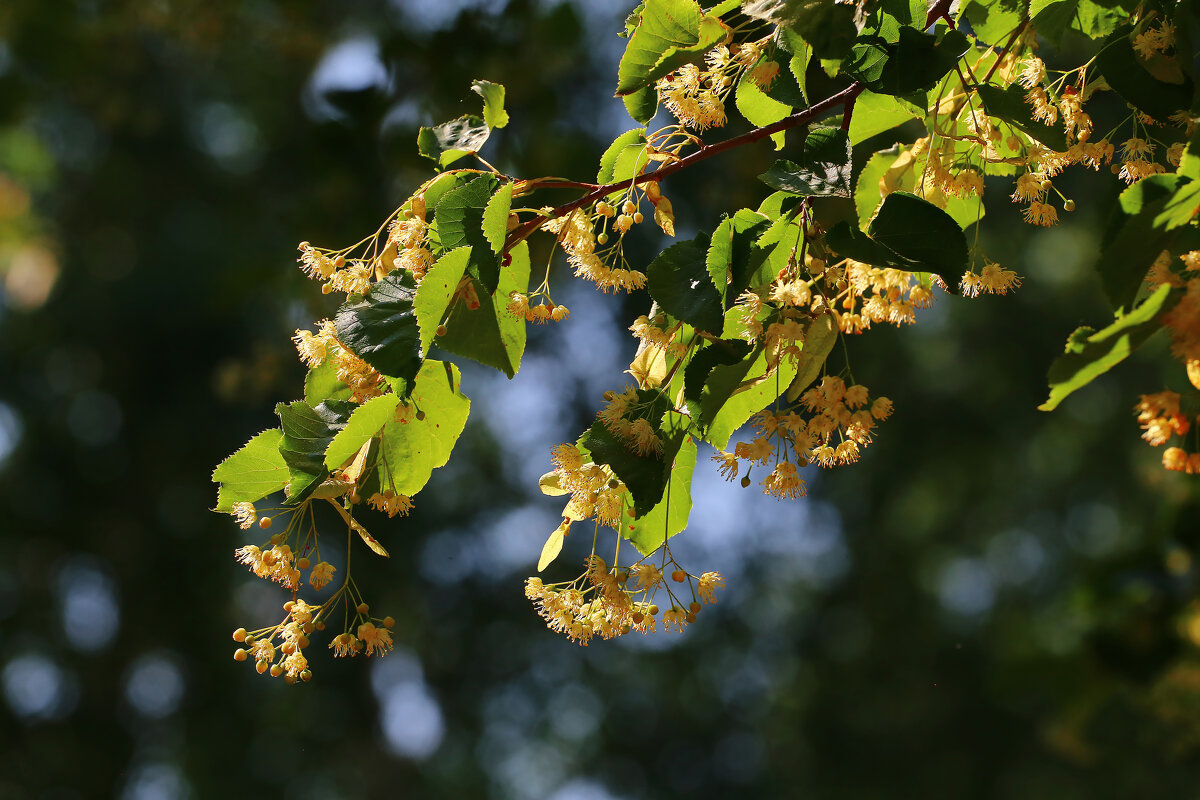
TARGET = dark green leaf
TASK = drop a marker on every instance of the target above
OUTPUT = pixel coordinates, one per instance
(307, 433)
(679, 281)
(733, 256)
(1148, 217)
(381, 329)
(1092, 354)
(491, 334)
(644, 476)
(1009, 105)
(642, 105)
(722, 352)
(826, 25)
(915, 63)
(824, 168)
(1125, 74)
(459, 216)
(920, 232)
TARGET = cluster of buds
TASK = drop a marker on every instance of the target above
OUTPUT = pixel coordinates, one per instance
(610, 601)
(519, 305)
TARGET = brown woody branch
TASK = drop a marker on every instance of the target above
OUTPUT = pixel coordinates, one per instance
(845, 97)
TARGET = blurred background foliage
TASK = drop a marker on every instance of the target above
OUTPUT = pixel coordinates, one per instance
(995, 603)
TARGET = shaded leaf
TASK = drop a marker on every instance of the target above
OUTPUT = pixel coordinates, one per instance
(1009, 105)
(1092, 354)
(459, 216)
(669, 515)
(491, 334)
(307, 433)
(1128, 77)
(381, 329)
(679, 282)
(824, 168)
(671, 33)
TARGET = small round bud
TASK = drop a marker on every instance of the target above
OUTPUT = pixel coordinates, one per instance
(319, 625)
(354, 498)
(609, 395)
(745, 481)
(625, 628)
(363, 608)
(506, 262)
(250, 639)
(288, 648)
(239, 655)
(339, 262)
(277, 538)
(1069, 205)
(629, 207)
(441, 330)
(302, 563)
(306, 675)
(326, 288)
(679, 576)
(637, 218)
(276, 670)
(653, 610)
(420, 415)
(239, 635)
(690, 618)
(389, 622)
(694, 607)
(602, 238)
(301, 642)
(264, 523)
(288, 605)
(290, 679)
(261, 667)
(638, 617)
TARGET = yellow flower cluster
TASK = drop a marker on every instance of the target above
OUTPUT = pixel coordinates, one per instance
(618, 417)
(608, 601)
(830, 426)
(595, 491)
(391, 503)
(518, 304)
(577, 240)
(651, 334)
(317, 348)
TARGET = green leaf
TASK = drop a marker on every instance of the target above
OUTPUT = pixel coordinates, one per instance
(826, 25)
(1009, 105)
(920, 232)
(759, 109)
(671, 33)
(679, 282)
(411, 451)
(490, 334)
(307, 433)
(608, 161)
(644, 476)
(450, 141)
(757, 388)
(1051, 18)
(801, 54)
(733, 256)
(867, 192)
(915, 63)
(993, 21)
(876, 113)
(670, 515)
(1148, 217)
(824, 168)
(459, 216)
(907, 233)
(642, 105)
(381, 329)
(495, 217)
(1125, 74)
(321, 383)
(1089, 356)
(819, 340)
(722, 352)
(436, 289)
(366, 421)
(494, 115)
(253, 472)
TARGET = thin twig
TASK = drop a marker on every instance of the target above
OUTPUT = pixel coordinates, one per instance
(809, 114)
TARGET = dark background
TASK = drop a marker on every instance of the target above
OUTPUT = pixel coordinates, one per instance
(996, 603)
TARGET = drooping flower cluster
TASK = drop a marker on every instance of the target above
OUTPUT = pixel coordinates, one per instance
(697, 97)
(577, 240)
(316, 349)
(624, 417)
(829, 426)
(283, 557)
(610, 601)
